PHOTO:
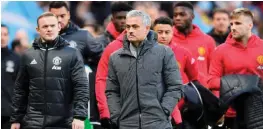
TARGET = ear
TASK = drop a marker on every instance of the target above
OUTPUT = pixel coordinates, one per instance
(37, 29)
(148, 28)
(250, 26)
(193, 15)
(69, 14)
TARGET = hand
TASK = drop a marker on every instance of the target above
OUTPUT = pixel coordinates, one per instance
(77, 124)
(15, 126)
(221, 120)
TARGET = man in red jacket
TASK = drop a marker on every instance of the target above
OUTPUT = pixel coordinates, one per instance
(163, 26)
(242, 53)
(117, 24)
(192, 38)
(102, 73)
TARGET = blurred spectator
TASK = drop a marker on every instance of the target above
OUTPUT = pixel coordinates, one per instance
(9, 69)
(151, 8)
(18, 47)
(22, 36)
(94, 29)
(256, 13)
(221, 24)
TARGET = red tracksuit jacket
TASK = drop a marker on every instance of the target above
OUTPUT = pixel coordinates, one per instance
(102, 73)
(188, 70)
(233, 58)
(200, 45)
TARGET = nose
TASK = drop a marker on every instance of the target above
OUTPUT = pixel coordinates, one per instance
(59, 19)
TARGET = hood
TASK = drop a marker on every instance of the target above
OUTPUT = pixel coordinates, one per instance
(56, 43)
(195, 32)
(112, 30)
(70, 29)
(253, 41)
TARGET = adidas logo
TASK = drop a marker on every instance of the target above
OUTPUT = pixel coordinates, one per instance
(33, 62)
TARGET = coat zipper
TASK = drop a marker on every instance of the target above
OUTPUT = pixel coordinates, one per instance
(45, 83)
(137, 88)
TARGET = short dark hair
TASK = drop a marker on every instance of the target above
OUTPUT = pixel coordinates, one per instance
(5, 26)
(218, 10)
(163, 20)
(120, 6)
(15, 43)
(184, 4)
(58, 4)
(46, 14)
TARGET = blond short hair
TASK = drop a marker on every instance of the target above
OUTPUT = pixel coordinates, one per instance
(241, 12)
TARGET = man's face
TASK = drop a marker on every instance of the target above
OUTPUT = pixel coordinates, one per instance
(221, 22)
(118, 20)
(165, 33)
(63, 16)
(48, 28)
(240, 27)
(4, 37)
(136, 30)
(182, 18)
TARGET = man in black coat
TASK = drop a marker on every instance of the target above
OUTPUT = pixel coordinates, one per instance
(9, 69)
(88, 46)
(51, 88)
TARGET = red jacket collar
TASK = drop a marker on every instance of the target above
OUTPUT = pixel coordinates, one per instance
(252, 41)
(112, 30)
(195, 32)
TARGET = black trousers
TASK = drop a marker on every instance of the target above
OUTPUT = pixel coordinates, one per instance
(5, 124)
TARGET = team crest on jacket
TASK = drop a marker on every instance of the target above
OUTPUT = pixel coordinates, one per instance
(10, 66)
(57, 61)
(201, 51)
(72, 44)
(260, 62)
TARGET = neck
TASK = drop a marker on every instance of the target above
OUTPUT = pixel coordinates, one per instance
(188, 30)
(136, 44)
(245, 39)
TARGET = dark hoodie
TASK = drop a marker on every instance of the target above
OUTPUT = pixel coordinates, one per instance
(9, 70)
(88, 46)
(233, 58)
(51, 87)
(91, 50)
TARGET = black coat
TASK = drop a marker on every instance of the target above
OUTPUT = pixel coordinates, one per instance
(244, 92)
(201, 107)
(91, 50)
(51, 87)
(9, 69)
